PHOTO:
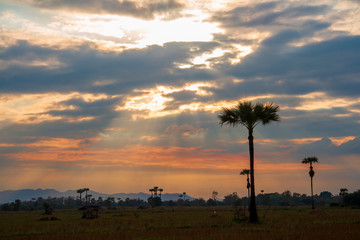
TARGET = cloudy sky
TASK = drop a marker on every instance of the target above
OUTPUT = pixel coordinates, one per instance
(123, 95)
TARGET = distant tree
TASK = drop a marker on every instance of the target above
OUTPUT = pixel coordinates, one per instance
(214, 195)
(230, 198)
(151, 190)
(250, 115)
(286, 195)
(343, 192)
(247, 173)
(86, 195)
(48, 210)
(352, 199)
(311, 160)
(160, 191)
(184, 195)
(154, 201)
(80, 191)
(17, 205)
(210, 202)
(156, 191)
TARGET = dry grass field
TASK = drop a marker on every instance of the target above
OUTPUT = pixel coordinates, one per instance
(184, 223)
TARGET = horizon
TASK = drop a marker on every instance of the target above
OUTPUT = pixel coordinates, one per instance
(125, 94)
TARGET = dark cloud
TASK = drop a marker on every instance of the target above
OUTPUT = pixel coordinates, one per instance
(81, 68)
(266, 14)
(329, 66)
(327, 150)
(139, 9)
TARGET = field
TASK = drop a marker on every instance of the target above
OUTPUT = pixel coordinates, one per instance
(184, 223)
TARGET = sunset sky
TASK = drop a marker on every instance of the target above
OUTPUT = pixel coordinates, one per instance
(123, 95)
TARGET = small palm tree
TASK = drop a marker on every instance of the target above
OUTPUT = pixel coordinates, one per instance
(151, 190)
(86, 195)
(343, 191)
(156, 191)
(80, 191)
(250, 115)
(311, 160)
(247, 173)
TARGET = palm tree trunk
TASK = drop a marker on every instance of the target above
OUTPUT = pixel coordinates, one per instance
(253, 214)
(312, 195)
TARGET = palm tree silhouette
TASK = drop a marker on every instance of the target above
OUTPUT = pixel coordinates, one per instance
(247, 173)
(151, 190)
(311, 160)
(156, 190)
(80, 191)
(250, 115)
(86, 195)
(160, 191)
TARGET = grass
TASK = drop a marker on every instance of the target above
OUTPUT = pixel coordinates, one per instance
(184, 223)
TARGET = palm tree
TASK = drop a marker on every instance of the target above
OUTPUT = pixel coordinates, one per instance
(311, 173)
(250, 115)
(151, 190)
(156, 190)
(80, 191)
(247, 173)
(160, 191)
(86, 195)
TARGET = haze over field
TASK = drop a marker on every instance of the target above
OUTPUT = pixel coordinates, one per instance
(121, 96)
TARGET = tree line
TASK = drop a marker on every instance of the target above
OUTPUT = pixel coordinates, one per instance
(263, 199)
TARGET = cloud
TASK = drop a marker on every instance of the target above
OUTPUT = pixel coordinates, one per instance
(267, 14)
(141, 9)
(184, 130)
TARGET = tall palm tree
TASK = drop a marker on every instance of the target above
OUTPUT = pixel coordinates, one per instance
(151, 190)
(247, 173)
(156, 191)
(80, 191)
(86, 195)
(250, 115)
(160, 191)
(311, 160)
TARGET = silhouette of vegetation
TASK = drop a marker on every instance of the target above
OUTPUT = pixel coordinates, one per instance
(263, 199)
(351, 199)
(155, 199)
(250, 115)
(311, 160)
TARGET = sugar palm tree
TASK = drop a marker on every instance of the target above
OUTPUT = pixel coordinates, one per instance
(151, 190)
(80, 191)
(247, 173)
(86, 195)
(156, 191)
(250, 115)
(311, 160)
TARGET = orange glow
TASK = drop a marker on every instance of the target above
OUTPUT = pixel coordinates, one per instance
(340, 140)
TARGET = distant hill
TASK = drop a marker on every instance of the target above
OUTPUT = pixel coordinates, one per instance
(27, 194)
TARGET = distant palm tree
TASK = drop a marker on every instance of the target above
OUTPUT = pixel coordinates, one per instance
(250, 115)
(311, 160)
(247, 173)
(86, 195)
(151, 190)
(160, 191)
(343, 191)
(156, 190)
(80, 191)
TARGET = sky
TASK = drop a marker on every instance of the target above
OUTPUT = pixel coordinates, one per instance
(122, 95)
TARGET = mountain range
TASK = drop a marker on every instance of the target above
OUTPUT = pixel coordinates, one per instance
(28, 194)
